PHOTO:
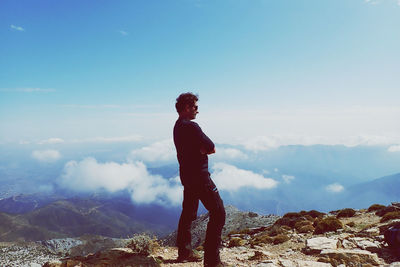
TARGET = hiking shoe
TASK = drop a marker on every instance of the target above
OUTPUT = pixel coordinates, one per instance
(194, 256)
(219, 264)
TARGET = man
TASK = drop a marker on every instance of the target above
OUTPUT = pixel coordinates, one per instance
(192, 147)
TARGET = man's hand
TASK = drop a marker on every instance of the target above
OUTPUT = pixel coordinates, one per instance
(204, 151)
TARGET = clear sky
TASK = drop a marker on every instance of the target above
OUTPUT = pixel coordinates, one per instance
(298, 71)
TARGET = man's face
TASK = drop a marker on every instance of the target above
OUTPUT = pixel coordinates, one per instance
(192, 111)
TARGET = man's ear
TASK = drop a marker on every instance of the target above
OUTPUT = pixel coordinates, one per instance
(187, 108)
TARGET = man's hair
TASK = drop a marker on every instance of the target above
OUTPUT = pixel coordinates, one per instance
(185, 99)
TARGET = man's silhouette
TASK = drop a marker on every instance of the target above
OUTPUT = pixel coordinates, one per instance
(192, 147)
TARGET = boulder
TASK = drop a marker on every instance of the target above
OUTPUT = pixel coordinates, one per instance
(350, 257)
(301, 263)
(317, 244)
(366, 244)
(111, 257)
(268, 264)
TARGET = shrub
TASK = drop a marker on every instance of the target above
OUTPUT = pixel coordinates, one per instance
(385, 210)
(390, 216)
(278, 229)
(376, 207)
(291, 218)
(280, 239)
(143, 244)
(346, 213)
(300, 224)
(262, 239)
(266, 239)
(315, 214)
(236, 242)
(258, 255)
(306, 229)
(252, 214)
(327, 225)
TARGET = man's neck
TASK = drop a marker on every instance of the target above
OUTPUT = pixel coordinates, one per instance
(183, 117)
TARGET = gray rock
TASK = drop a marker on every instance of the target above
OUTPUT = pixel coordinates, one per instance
(301, 263)
(317, 244)
(366, 244)
(350, 256)
(394, 264)
(111, 257)
(268, 264)
(235, 220)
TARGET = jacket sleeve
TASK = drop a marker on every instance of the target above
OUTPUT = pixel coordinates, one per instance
(204, 141)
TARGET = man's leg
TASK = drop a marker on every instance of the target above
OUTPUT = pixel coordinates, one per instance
(189, 213)
(215, 206)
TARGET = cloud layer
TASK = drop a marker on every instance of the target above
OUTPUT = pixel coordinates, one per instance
(334, 188)
(89, 175)
(231, 178)
(46, 155)
(394, 148)
(51, 141)
(160, 151)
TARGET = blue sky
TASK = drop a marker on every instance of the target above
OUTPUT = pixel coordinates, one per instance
(288, 71)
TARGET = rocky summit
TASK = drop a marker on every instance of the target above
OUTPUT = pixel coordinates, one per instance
(343, 238)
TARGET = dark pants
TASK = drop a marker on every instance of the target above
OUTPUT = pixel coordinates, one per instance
(209, 196)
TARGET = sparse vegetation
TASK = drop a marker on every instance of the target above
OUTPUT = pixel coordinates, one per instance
(306, 229)
(143, 244)
(236, 242)
(258, 255)
(327, 225)
(301, 224)
(244, 231)
(376, 207)
(345, 213)
(383, 211)
(261, 240)
(266, 239)
(290, 219)
(280, 239)
(391, 216)
(252, 214)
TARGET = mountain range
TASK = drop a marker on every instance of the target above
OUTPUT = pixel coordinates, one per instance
(78, 216)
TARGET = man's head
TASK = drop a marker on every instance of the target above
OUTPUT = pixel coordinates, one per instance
(186, 105)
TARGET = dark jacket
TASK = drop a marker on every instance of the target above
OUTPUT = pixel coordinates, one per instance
(189, 139)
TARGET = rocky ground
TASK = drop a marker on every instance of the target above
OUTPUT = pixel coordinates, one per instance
(344, 238)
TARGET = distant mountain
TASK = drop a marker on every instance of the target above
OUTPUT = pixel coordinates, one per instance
(76, 217)
(24, 203)
(382, 190)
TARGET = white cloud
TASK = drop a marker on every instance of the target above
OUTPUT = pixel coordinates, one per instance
(261, 143)
(335, 188)
(124, 33)
(17, 28)
(89, 175)
(229, 177)
(120, 139)
(51, 141)
(46, 155)
(159, 151)
(394, 148)
(340, 125)
(229, 153)
(287, 178)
